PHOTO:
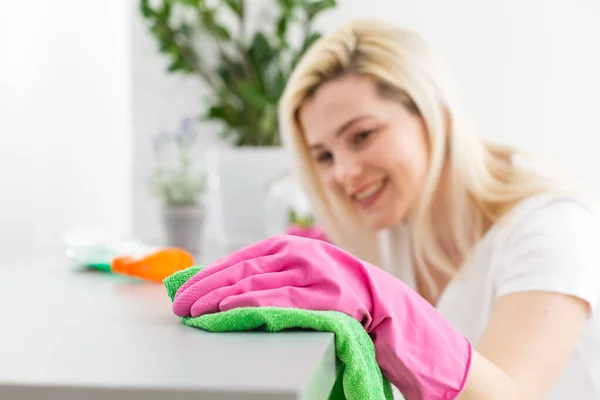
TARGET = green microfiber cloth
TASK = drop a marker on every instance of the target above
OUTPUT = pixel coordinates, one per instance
(360, 377)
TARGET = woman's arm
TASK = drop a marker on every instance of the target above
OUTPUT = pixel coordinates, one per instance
(525, 346)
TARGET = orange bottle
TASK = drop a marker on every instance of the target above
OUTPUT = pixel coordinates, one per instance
(155, 265)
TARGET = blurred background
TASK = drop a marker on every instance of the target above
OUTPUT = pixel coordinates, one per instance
(104, 106)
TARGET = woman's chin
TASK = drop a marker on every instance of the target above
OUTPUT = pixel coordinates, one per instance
(377, 223)
(383, 220)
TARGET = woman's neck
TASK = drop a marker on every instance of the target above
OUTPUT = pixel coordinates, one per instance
(444, 223)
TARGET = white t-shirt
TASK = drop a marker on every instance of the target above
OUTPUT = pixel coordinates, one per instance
(545, 243)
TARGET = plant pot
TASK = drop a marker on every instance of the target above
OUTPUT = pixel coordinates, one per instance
(184, 227)
(238, 181)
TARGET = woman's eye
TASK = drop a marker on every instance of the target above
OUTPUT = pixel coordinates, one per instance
(362, 136)
(324, 157)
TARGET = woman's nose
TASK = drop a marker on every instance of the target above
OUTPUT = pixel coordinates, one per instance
(347, 169)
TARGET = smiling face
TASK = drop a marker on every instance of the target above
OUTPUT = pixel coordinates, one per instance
(369, 149)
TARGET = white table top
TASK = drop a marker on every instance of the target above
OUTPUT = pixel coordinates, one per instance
(72, 335)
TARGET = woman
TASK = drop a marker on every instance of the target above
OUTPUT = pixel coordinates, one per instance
(487, 280)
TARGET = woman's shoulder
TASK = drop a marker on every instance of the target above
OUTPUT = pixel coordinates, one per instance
(551, 212)
(549, 242)
(558, 223)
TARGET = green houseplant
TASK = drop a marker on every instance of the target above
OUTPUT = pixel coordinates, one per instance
(179, 184)
(244, 61)
(245, 72)
(175, 180)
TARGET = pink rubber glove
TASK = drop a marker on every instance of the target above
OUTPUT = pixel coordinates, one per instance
(416, 348)
(313, 232)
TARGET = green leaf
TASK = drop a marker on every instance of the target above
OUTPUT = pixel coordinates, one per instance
(276, 86)
(305, 222)
(185, 30)
(145, 8)
(282, 28)
(193, 3)
(237, 6)
(231, 72)
(318, 7)
(215, 112)
(261, 51)
(166, 46)
(286, 4)
(222, 32)
(165, 12)
(159, 30)
(179, 65)
(209, 22)
(252, 94)
(268, 120)
(225, 112)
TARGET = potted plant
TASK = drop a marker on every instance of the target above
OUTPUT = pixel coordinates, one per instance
(178, 183)
(245, 73)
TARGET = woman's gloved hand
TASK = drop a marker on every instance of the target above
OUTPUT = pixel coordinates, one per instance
(416, 348)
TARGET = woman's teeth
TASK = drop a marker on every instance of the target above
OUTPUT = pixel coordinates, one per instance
(368, 192)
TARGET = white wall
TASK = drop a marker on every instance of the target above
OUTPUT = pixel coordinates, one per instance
(529, 71)
(65, 130)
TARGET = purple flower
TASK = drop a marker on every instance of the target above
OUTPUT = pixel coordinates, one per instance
(159, 140)
(187, 134)
(182, 138)
(186, 124)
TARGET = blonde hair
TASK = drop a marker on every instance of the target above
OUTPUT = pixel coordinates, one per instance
(484, 182)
